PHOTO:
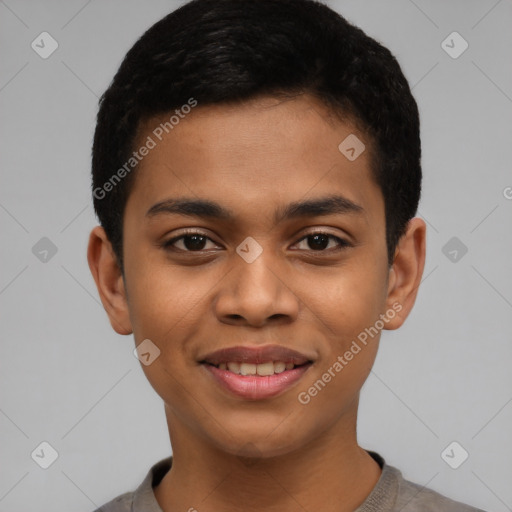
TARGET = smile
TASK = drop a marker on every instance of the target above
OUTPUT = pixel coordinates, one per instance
(263, 370)
(256, 373)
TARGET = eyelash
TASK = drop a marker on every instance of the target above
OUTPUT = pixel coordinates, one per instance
(168, 245)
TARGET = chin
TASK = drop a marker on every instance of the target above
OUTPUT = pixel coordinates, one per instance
(260, 450)
(259, 444)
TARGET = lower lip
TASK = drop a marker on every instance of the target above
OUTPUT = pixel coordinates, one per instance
(254, 387)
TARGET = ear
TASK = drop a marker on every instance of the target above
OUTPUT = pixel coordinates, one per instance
(406, 271)
(109, 280)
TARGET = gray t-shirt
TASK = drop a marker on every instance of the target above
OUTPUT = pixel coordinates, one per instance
(391, 494)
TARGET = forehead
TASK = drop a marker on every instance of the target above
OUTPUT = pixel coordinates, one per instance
(253, 156)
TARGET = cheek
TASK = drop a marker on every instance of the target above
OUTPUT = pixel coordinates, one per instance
(345, 299)
(164, 300)
(167, 308)
(346, 302)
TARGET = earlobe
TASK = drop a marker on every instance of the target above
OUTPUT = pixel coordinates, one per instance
(109, 280)
(406, 272)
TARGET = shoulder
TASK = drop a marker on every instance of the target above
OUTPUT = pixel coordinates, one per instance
(122, 503)
(415, 498)
(394, 493)
(143, 498)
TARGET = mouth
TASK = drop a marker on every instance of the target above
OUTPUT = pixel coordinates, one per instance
(256, 373)
(262, 370)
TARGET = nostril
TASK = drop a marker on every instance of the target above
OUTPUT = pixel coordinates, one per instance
(234, 316)
(278, 315)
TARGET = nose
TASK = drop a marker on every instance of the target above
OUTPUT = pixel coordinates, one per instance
(256, 294)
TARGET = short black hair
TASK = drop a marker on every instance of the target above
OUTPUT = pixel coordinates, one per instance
(231, 51)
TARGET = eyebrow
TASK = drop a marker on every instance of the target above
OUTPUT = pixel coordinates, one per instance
(203, 208)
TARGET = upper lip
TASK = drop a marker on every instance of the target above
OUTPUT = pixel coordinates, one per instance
(256, 355)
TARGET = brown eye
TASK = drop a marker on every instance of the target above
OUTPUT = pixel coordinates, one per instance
(320, 242)
(194, 242)
(190, 242)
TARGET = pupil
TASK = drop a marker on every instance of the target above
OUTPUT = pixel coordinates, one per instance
(194, 242)
(319, 241)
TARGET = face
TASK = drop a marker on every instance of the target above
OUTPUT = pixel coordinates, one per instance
(249, 232)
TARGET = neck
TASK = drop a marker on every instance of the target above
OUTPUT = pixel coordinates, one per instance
(331, 473)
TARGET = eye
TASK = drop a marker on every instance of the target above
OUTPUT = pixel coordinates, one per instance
(190, 242)
(197, 242)
(320, 241)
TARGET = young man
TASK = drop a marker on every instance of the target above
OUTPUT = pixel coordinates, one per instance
(256, 172)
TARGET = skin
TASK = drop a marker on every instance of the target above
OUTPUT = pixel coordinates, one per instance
(273, 454)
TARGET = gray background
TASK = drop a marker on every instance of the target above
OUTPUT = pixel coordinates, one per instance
(67, 378)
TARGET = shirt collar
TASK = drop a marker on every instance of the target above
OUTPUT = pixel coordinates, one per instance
(381, 499)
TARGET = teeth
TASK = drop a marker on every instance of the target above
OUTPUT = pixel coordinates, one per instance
(279, 367)
(247, 369)
(234, 367)
(263, 369)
